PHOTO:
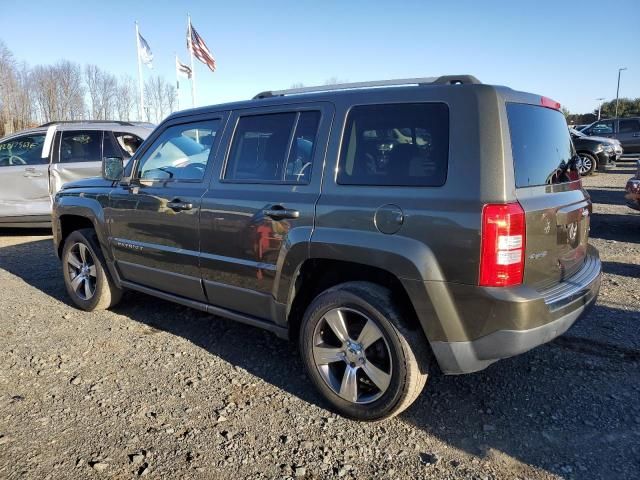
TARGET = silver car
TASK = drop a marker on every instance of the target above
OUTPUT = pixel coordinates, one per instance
(35, 163)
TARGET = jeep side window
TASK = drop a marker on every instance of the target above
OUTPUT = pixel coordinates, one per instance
(25, 150)
(629, 126)
(81, 146)
(180, 153)
(264, 150)
(395, 145)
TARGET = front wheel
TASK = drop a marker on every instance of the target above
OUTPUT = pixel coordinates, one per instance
(85, 272)
(586, 163)
(358, 354)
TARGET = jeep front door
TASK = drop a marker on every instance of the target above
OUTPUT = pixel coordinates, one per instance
(154, 216)
(257, 218)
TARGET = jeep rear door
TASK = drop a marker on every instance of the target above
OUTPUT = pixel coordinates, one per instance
(78, 154)
(258, 216)
(154, 214)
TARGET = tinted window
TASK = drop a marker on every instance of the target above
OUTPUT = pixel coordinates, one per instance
(25, 150)
(264, 149)
(128, 142)
(300, 159)
(629, 126)
(81, 146)
(180, 153)
(400, 144)
(108, 147)
(541, 146)
(601, 128)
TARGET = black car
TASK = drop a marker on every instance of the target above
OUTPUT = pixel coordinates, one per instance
(594, 152)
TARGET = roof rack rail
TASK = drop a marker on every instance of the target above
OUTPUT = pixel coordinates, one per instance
(118, 122)
(442, 80)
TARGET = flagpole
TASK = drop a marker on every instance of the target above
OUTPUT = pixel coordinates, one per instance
(140, 87)
(193, 70)
(177, 83)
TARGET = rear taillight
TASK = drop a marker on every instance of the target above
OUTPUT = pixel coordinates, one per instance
(502, 245)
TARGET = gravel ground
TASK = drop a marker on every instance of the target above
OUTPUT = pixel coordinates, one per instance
(158, 390)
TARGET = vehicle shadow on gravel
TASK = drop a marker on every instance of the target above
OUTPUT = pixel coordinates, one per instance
(611, 226)
(607, 197)
(35, 262)
(568, 407)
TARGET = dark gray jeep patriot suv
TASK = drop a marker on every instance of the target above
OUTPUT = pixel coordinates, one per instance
(387, 226)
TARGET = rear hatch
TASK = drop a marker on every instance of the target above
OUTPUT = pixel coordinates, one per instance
(548, 187)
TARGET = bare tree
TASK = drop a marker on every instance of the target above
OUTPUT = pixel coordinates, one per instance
(160, 98)
(15, 104)
(102, 88)
(126, 97)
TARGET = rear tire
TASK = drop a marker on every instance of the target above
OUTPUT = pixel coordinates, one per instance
(358, 354)
(85, 272)
(587, 164)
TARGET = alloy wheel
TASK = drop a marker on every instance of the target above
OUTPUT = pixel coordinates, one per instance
(585, 164)
(352, 355)
(82, 271)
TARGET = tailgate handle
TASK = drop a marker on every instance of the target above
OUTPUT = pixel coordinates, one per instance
(571, 214)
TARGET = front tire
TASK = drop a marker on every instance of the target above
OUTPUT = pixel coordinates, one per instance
(587, 164)
(85, 272)
(358, 354)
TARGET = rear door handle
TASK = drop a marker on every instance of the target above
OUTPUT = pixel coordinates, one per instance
(279, 213)
(177, 205)
(636, 134)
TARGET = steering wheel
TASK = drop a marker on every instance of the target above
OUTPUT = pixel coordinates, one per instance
(16, 160)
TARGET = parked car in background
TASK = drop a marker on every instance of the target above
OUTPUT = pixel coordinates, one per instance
(632, 190)
(338, 216)
(595, 152)
(626, 130)
(35, 163)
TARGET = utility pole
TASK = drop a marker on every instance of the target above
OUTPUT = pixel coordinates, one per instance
(599, 106)
(618, 90)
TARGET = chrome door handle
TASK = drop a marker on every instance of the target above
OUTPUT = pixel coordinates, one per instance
(178, 205)
(280, 213)
(636, 134)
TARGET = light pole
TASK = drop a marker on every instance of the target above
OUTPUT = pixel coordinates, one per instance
(599, 106)
(618, 90)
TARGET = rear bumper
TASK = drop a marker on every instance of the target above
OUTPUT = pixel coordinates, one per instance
(554, 310)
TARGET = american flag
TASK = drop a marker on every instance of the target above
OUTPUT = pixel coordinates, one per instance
(196, 44)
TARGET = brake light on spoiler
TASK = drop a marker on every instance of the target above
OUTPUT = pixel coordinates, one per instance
(549, 103)
(502, 245)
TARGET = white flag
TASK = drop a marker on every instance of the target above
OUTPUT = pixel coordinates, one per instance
(144, 51)
(182, 69)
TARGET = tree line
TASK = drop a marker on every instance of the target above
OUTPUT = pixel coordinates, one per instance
(32, 95)
(627, 107)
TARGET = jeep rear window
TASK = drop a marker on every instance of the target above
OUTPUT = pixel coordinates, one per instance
(541, 146)
(396, 145)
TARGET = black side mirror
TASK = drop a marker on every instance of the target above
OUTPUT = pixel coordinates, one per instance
(112, 168)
